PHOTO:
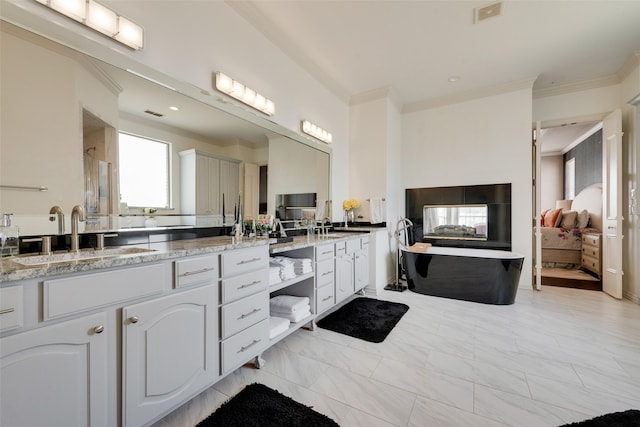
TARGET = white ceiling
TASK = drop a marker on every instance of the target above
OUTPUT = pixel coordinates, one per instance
(415, 46)
(555, 140)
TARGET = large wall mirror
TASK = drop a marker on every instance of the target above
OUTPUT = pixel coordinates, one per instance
(62, 113)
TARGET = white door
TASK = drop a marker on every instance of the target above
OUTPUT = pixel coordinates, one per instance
(170, 352)
(612, 204)
(56, 375)
(537, 241)
(251, 189)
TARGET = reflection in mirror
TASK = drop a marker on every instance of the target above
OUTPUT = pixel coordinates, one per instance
(62, 112)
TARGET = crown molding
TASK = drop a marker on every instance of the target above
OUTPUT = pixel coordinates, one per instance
(610, 80)
(386, 92)
(630, 64)
(469, 95)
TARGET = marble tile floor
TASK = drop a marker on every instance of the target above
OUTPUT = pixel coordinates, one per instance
(554, 357)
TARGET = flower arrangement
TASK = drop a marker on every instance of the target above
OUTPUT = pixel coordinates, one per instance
(150, 211)
(350, 204)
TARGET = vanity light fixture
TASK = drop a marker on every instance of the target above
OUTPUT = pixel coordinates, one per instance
(100, 18)
(237, 90)
(316, 132)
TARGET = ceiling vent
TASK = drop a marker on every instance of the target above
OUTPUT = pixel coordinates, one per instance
(489, 11)
(153, 113)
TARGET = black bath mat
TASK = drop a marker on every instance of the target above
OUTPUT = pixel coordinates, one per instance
(259, 406)
(365, 318)
(630, 418)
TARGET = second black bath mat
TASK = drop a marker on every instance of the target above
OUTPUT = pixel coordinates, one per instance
(365, 318)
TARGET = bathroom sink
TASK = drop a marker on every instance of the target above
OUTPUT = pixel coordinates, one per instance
(91, 255)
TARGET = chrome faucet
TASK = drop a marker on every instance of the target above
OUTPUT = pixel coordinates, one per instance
(57, 210)
(77, 215)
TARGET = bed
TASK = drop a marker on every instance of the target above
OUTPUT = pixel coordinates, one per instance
(562, 243)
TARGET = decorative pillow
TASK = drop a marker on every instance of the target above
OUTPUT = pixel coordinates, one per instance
(583, 219)
(552, 218)
(542, 214)
(569, 219)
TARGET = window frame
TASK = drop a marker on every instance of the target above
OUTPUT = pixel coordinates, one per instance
(169, 194)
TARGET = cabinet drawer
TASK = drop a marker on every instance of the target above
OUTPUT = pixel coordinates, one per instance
(196, 270)
(244, 261)
(241, 314)
(325, 272)
(591, 239)
(592, 264)
(325, 252)
(591, 251)
(11, 308)
(353, 245)
(241, 347)
(341, 248)
(79, 293)
(244, 285)
(326, 298)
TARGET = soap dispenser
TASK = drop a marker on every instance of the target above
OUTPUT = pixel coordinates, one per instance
(9, 237)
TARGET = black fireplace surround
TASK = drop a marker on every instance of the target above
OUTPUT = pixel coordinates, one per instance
(497, 197)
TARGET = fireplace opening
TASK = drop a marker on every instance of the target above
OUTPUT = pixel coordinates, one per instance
(457, 222)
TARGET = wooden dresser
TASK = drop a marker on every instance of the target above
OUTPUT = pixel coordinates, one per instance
(591, 252)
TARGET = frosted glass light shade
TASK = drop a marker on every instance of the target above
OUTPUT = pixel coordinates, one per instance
(102, 19)
(237, 90)
(130, 33)
(74, 9)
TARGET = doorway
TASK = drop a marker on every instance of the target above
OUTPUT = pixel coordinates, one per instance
(570, 167)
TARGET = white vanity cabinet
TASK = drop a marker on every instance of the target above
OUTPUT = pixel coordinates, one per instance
(361, 264)
(244, 311)
(57, 375)
(345, 285)
(325, 277)
(170, 352)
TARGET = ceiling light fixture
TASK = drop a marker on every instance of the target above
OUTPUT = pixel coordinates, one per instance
(453, 79)
(237, 90)
(173, 108)
(101, 19)
(316, 131)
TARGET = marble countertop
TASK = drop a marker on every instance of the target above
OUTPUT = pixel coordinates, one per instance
(11, 269)
(360, 228)
(306, 241)
(14, 269)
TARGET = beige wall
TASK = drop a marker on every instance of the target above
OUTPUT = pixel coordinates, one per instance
(42, 141)
(481, 141)
(552, 179)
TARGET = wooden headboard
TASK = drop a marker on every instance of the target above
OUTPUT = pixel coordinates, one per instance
(590, 199)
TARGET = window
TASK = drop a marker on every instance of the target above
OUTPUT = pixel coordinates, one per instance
(570, 179)
(144, 171)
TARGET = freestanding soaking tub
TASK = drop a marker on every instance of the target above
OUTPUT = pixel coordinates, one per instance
(478, 275)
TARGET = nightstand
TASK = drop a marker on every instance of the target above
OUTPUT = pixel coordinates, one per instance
(591, 250)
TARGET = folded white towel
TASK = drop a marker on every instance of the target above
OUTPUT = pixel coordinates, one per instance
(274, 275)
(277, 325)
(293, 317)
(377, 210)
(288, 303)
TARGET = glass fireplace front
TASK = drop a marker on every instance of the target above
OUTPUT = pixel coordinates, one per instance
(459, 222)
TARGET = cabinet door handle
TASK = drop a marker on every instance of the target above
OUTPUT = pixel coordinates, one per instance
(248, 346)
(327, 298)
(246, 285)
(189, 273)
(247, 261)
(254, 311)
(326, 252)
(98, 329)
(327, 273)
(134, 319)
(7, 310)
